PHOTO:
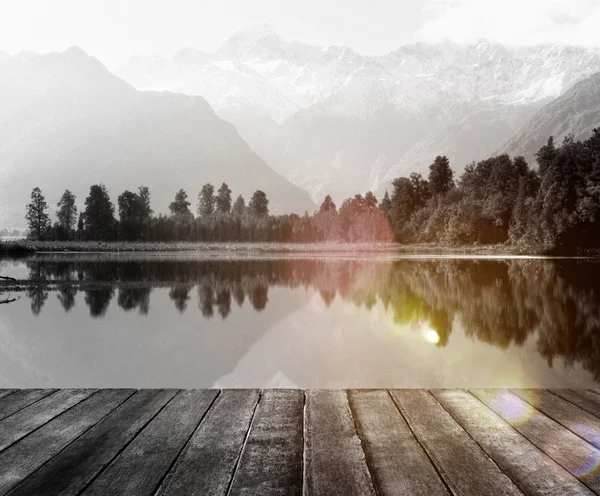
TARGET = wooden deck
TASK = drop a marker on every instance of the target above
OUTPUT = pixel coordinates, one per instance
(325, 442)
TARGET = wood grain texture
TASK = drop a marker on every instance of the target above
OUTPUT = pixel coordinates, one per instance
(141, 466)
(398, 463)
(335, 463)
(30, 453)
(207, 464)
(271, 463)
(573, 453)
(465, 467)
(577, 420)
(527, 466)
(30, 418)
(586, 400)
(21, 399)
(78, 464)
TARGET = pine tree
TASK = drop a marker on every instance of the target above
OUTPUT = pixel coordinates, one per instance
(180, 207)
(67, 212)
(99, 214)
(327, 206)
(224, 199)
(259, 204)
(440, 176)
(206, 200)
(239, 207)
(37, 218)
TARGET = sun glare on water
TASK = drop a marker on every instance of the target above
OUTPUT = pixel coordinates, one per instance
(431, 336)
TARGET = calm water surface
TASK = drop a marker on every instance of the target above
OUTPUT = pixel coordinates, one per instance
(94, 320)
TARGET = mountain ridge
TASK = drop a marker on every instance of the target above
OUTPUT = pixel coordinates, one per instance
(67, 122)
(335, 121)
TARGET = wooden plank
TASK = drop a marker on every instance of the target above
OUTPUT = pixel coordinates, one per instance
(6, 392)
(531, 470)
(26, 456)
(78, 464)
(576, 455)
(28, 419)
(335, 463)
(207, 463)
(587, 400)
(465, 467)
(21, 399)
(271, 462)
(141, 466)
(397, 461)
(577, 420)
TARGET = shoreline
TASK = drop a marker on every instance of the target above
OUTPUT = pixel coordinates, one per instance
(24, 248)
(27, 247)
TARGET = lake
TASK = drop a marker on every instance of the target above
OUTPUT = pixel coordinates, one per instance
(371, 321)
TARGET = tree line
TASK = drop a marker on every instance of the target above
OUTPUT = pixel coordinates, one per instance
(555, 207)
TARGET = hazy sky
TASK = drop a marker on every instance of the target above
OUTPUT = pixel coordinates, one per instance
(112, 30)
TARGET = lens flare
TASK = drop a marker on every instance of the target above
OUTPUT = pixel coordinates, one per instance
(513, 409)
(592, 463)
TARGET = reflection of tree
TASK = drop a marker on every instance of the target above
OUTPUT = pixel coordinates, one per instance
(180, 295)
(130, 298)
(258, 297)
(98, 300)
(66, 296)
(498, 302)
(224, 302)
(38, 296)
(205, 299)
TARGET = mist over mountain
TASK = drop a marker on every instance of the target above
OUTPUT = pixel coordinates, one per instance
(67, 122)
(335, 121)
(575, 112)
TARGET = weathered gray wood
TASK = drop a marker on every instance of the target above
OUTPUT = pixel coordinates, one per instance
(6, 392)
(28, 419)
(76, 466)
(335, 463)
(271, 462)
(576, 455)
(587, 400)
(398, 463)
(24, 457)
(140, 467)
(577, 420)
(208, 461)
(465, 467)
(21, 399)
(530, 469)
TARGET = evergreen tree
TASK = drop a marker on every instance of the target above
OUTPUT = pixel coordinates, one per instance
(99, 214)
(327, 206)
(224, 199)
(180, 207)
(239, 207)
(386, 204)
(440, 176)
(37, 218)
(206, 200)
(371, 199)
(67, 212)
(144, 199)
(259, 204)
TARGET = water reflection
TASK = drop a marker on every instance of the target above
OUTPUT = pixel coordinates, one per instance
(503, 303)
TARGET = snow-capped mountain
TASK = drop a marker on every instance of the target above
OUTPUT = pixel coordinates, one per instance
(335, 121)
(575, 112)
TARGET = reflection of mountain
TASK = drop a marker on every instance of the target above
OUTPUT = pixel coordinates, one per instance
(503, 303)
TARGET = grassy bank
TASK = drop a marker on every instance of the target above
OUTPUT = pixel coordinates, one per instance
(24, 247)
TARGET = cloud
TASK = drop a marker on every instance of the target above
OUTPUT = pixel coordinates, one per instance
(513, 22)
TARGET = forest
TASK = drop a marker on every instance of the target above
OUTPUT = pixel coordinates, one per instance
(550, 208)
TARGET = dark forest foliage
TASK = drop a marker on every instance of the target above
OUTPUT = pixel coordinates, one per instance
(553, 208)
